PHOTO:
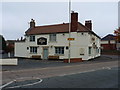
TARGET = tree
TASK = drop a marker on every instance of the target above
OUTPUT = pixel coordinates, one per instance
(117, 34)
(2, 43)
(10, 48)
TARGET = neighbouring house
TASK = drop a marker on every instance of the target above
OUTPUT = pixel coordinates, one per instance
(108, 42)
(118, 46)
(10, 45)
(2, 44)
(52, 41)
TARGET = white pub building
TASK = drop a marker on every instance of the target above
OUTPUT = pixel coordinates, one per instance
(52, 41)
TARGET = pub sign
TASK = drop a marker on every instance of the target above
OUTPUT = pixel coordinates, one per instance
(42, 41)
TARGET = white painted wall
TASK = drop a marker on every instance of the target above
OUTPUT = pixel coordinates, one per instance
(112, 41)
(106, 42)
(10, 61)
(21, 49)
(81, 41)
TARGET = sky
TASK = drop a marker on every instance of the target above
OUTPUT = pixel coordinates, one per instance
(119, 14)
(17, 15)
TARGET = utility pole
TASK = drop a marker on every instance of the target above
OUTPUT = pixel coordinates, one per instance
(69, 30)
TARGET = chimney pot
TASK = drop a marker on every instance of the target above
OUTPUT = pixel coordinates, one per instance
(32, 23)
(74, 21)
(88, 24)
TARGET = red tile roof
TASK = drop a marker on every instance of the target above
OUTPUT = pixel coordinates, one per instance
(57, 28)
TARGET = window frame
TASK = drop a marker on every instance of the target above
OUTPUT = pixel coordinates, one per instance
(32, 38)
(59, 50)
(82, 51)
(33, 50)
(53, 37)
(89, 50)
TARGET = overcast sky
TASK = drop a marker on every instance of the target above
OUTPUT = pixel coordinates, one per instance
(16, 15)
(119, 14)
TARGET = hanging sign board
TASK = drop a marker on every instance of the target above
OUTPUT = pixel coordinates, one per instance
(71, 39)
(42, 41)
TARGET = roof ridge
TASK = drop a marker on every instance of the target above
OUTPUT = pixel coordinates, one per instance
(52, 25)
(109, 37)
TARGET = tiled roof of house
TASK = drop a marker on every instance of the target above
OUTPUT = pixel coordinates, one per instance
(48, 29)
(57, 28)
(109, 37)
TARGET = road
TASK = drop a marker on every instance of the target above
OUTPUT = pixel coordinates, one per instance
(105, 78)
(34, 64)
(94, 73)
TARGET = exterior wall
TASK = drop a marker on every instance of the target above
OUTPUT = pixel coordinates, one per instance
(106, 42)
(112, 42)
(80, 45)
(12, 61)
(118, 46)
(20, 49)
(95, 46)
(108, 45)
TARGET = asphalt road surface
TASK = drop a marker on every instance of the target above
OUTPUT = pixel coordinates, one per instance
(104, 78)
(100, 72)
(33, 64)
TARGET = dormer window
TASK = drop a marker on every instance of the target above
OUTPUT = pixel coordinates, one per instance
(32, 38)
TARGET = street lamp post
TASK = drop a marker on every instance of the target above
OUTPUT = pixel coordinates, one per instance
(69, 30)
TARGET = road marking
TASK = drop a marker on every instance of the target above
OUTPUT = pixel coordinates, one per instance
(26, 78)
(40, 80)
(106, 68)
(87, 71)
(7, 84)
(78, 72)
(63, 74)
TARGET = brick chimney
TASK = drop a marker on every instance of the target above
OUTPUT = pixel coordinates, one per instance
(88, 24)
(74, 21)
(32, 23)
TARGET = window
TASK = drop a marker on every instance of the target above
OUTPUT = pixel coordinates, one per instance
(32, 38)
(27, 48)
(82, 51)
(59, 50)
(90, 50)
(82, 33)
(52, 37)
(67, 47)
(33, 49)
(98, 50)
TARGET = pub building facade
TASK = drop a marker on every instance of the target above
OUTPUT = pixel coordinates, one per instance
(52, 41)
